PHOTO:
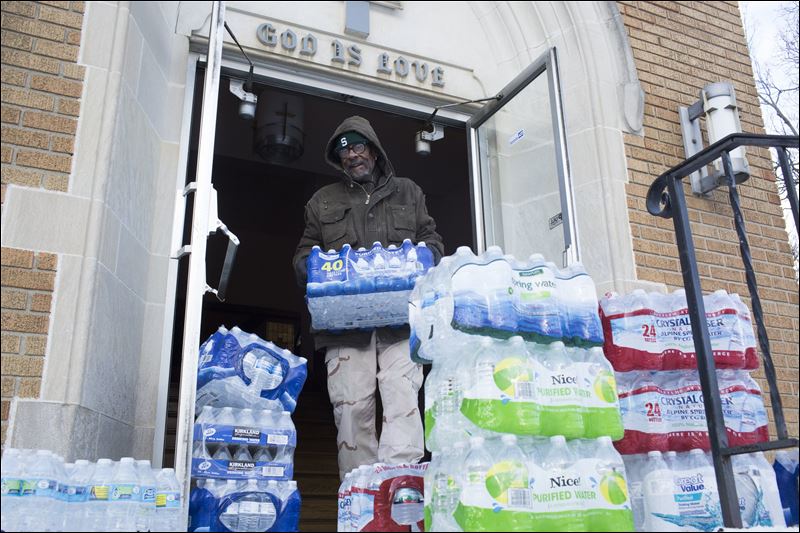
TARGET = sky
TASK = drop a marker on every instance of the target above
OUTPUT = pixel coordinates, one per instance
(764, 35)
(764, 40)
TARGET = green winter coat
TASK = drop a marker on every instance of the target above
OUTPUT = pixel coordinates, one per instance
(344, 213)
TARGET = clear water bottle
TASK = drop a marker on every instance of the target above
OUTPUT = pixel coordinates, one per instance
(200, 450)
(474, 495)
(242, 454)
(149, 486)
(283, 454)
(206, 416)
(77, 496)
(226, 417)
(12, 466)
(407, 506)
(671, 459)
(343, 514)
(614, 510)
(559, 464)
(169, 510)
(556, 384)
(513, 480)
(246, 419)
(450, 425)
(358, 499)
(256, 510)
(126, 496)
(658, 494)
(265, 372)
(39, 501)
(99, 500)
(222, 454)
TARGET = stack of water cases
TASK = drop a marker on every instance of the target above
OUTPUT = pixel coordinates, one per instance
(43, 493)
(521, 405)
(648, 340)
(364, 288)
(382, 497)
(244, 437)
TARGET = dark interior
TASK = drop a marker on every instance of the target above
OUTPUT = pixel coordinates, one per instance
(262, 204)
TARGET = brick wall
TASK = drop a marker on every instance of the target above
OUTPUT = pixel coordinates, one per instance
(28, 280)
(41, 90)
(678, 48)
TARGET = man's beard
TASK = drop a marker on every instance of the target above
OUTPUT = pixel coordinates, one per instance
(368, 177)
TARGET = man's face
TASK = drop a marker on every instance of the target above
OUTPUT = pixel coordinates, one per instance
(358, 166)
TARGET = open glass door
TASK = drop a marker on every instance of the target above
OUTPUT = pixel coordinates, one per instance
(522, 194)
(204, 221)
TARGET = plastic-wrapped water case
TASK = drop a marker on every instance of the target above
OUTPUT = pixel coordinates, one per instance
(243, 444)
(527, 484)
(665, 411)
(364, 288)
(499, 296)
(652, 331)
(248, 505)
(382, 497)
(242, 370)
(486, 386)
(678, 491)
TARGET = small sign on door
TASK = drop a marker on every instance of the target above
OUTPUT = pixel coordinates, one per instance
(516, 137)
(555, 220)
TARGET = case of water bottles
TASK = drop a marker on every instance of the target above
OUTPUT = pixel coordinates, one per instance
(787, 472)
(363, 289)
(678, 491)
(232, 443)
(527, 484)
(42, 493)
(665, 411)
(382, 497)
(244, 437)
(242, 370)
(652, 331)
(499, 296)
(485, 386)
(244, 505)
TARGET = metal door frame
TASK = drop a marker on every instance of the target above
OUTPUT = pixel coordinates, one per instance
(547, 63)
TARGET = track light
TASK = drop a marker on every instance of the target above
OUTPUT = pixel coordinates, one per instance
(244, 89)
(423, 138)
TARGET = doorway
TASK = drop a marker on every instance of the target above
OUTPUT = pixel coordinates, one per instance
(263, 204)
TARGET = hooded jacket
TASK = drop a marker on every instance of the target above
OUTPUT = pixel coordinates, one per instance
(344, 212)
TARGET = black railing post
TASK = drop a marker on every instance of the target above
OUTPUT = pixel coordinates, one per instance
(788, 180)
(758, 313)
(705, 360)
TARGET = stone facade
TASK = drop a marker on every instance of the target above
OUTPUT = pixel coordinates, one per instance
(679, 48)
(100, 214)
(41, 90)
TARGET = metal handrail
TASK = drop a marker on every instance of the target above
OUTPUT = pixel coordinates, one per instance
(665, 198)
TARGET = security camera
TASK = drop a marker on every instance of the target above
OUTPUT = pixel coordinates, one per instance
(423, 139)
(421, 146)
(247, 106)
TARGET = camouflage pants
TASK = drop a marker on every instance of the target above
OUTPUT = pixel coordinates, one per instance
(352, 375)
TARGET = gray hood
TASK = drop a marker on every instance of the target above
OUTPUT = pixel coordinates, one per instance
(362, 126)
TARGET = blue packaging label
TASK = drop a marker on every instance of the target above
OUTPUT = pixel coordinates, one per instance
(39, 487)
(168, 500)
(148, 494)
(221, 469)
(213, 433)
(11, 486)
(99, 493)
(127, 492)
(73, 493)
